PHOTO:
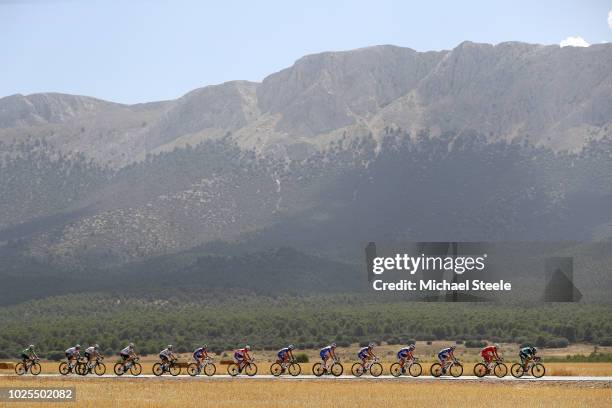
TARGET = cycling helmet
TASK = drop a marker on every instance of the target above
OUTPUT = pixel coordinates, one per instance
(333, 344)
(131, 345)
(205, 346)
(169, 346)
(411, 346)
(96, 346)
(534, 350)
(453, 347)
(291, 347)
(31, 347)
(371, 345)
(496, 345)
(247, 347)
(77, 346)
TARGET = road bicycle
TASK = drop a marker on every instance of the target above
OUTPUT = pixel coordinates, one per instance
(291, 367)
(84, 367)
(336, 369)
(372, 366)
(412, 367)
(171, 367)
(67, 367)
(248, 367)
(33, 366)
(455, 368)
(497, 367)
(535, 367)
(206, 366)
(132, 366)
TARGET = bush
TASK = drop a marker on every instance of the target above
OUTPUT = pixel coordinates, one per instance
(607, 341)
(560, 342)
(475, 343)
(301, 358)
(55, 355)
(393, 341)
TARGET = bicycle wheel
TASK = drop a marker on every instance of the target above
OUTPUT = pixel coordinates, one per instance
(63, 368)
(118, 369)
(175, 370)
(136, 369)
(538, 370)
(480, 370)
(396, 369)
(276, 369)
(376, 369)
(456, 370)
(295, 369)
(500, 370)
(100, 369)
(250, 369)
(193, 369)
(357, 369)
(20, 369)
(436, 370)
(517, 370)
(415, 369)
(232, 369)
(317, 369)
(210, 369)
(157, 369)
(35, 369)
(81, 369)
(337, 369)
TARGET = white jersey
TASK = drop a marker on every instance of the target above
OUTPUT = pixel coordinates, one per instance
(165, 352)
(90, 350)
(71, 351)
(126, 351)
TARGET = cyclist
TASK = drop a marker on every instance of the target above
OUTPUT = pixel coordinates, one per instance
(72, 354)
(127, 353)
(241, 356)
(366, 353)
(489, 353)
(527, 354)
(200, 354)
(91, 353)
(445, 356)
(28, 354)
(166, 355)
(405, 354)
(326, 353)
(285, 355)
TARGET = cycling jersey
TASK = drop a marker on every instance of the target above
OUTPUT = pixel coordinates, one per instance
(197, 353)
(165, 353)
(71, 351)
(90, 350)
(363, 353)
(444, 353)
(488, 350)
(526, 351)
(126, 351)
(404, 352)
(325, 351)
(28, 353)
(283, 352)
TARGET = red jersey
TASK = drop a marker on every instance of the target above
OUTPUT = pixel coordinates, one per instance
(488, 350)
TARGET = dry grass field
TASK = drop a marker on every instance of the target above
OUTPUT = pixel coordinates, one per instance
(149, 393)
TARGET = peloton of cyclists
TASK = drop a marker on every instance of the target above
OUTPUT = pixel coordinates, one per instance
(404, 354)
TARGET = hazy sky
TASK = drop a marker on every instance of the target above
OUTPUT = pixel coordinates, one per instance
(136, 51)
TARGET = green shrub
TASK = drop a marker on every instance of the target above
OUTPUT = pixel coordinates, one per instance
(560, 342)
(475, 343)
(301, 358)
(55, 355)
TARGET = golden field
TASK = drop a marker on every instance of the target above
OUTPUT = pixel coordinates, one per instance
(152, 392)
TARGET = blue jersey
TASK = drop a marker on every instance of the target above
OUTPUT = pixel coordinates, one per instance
(526, 351)
(445, 351)
(198, 352)
(364, 352)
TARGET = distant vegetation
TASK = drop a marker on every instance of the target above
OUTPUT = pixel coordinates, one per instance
(227, 319)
